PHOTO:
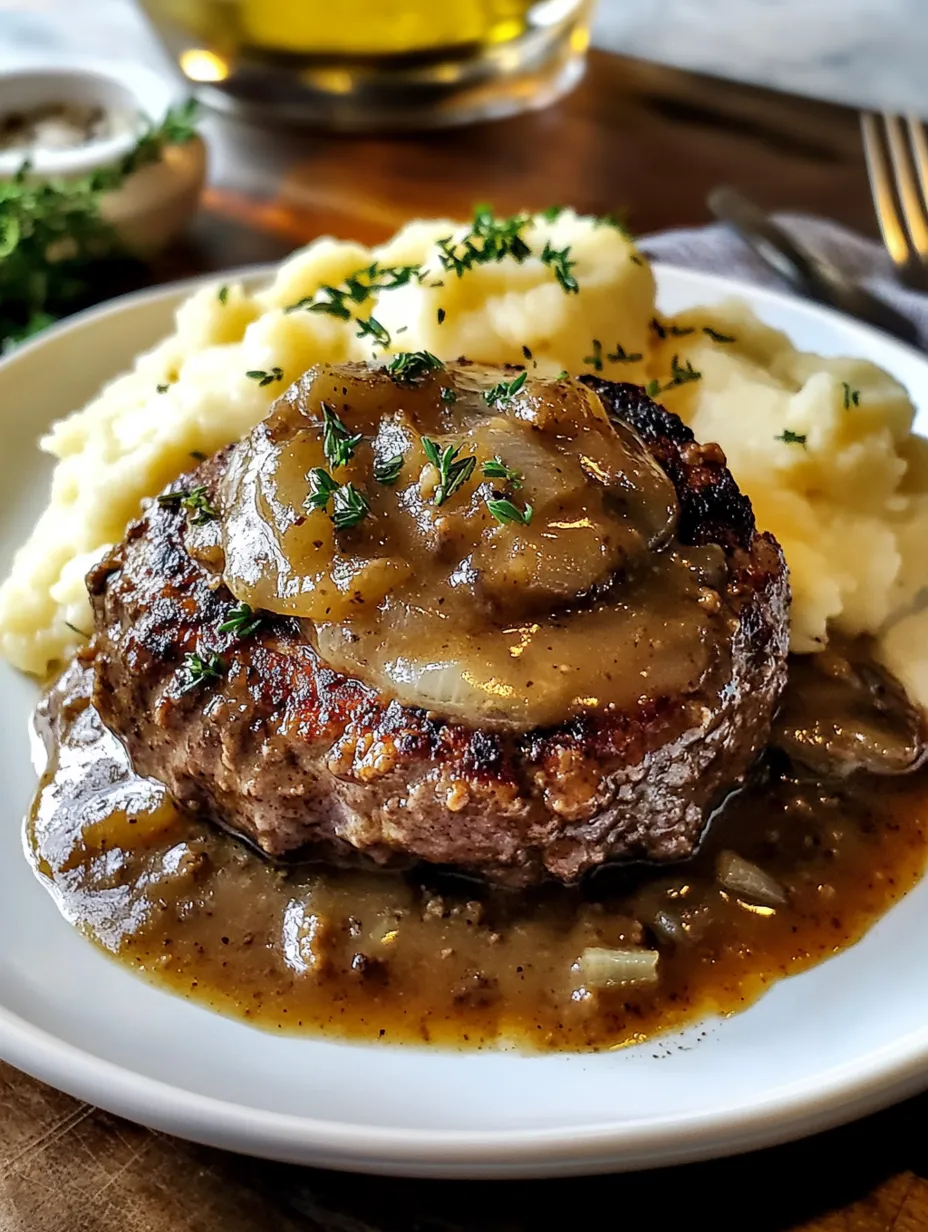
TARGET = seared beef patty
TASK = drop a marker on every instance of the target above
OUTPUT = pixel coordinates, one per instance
(296, 756)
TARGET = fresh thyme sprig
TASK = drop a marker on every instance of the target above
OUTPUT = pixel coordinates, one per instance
(716, 336)
(409, 366)
(792, 438)
(504, 391)
(242, 621)
(265, 378)
(595, 360)
(371, 328)
(57, 252)
(561, 264)
(851, 396)
(387, 470)
(497, 469)
(489, 240)
(195, 500)
(201, 670)
(357, 288)
(505, 511)
(338, 444)
(452, 470)
(322, 487)
(621, 356)
(349, 507)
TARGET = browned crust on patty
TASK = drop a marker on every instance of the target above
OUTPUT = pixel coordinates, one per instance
(294, 755)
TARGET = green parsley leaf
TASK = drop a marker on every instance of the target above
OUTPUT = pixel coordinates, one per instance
(265, 378)
(241, 620)
(349, 507)
(409, 366)
(201, 670)
(338, 444)
(505, 511)
(505, 391)
(792, 438)
(387, 471)
(851, 396)
(497, 469)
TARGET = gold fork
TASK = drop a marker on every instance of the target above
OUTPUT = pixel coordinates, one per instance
(896, 150)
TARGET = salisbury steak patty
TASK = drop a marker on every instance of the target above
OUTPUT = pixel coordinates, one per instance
(281, 748)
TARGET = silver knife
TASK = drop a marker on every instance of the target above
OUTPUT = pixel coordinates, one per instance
(808, 274)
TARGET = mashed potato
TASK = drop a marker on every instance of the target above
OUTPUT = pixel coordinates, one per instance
(822, 446)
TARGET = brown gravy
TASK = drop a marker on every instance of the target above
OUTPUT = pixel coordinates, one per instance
(409, 958)
(589, 604)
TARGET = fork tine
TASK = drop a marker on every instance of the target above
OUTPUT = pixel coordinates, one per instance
(881, 185)
(913, 210)
(918, 141)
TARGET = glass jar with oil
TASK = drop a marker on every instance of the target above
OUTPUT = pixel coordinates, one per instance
(373, 64)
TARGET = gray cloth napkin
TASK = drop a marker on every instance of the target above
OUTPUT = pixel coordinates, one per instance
(717, 249)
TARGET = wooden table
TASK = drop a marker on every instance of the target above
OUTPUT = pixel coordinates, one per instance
(649, 142)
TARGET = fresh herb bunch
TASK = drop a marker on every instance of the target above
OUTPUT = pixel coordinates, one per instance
(57, 253)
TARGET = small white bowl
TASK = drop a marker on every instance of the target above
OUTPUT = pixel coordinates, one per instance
(156, 201)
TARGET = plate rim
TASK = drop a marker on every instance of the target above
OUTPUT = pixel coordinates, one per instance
(866, 1084)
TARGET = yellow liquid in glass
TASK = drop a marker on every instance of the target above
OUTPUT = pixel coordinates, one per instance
(362, 28)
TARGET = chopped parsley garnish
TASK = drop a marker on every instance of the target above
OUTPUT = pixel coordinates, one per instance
(595, 360)
(222, 295)
(505, 511)
(560, 263)
(349, 507)
(387, 471)
(201, 671)
(440, 315)
(497, 469)
(621, 356)
(452, 470)
(448, 395)
(241, 620)
(408, 366)
(792, 438)
(162, 389)
(265, 378)
(195, 500)
(851, 396)
(371, 328)
(505, 391)
(321, 488)
(553, 212)
(716, 336)
(338, 444)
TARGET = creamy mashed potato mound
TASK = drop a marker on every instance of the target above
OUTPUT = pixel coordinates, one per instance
(823, 447)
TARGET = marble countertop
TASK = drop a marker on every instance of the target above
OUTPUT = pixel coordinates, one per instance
(868, 53)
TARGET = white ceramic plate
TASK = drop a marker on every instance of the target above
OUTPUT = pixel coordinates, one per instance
(820, 1048)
